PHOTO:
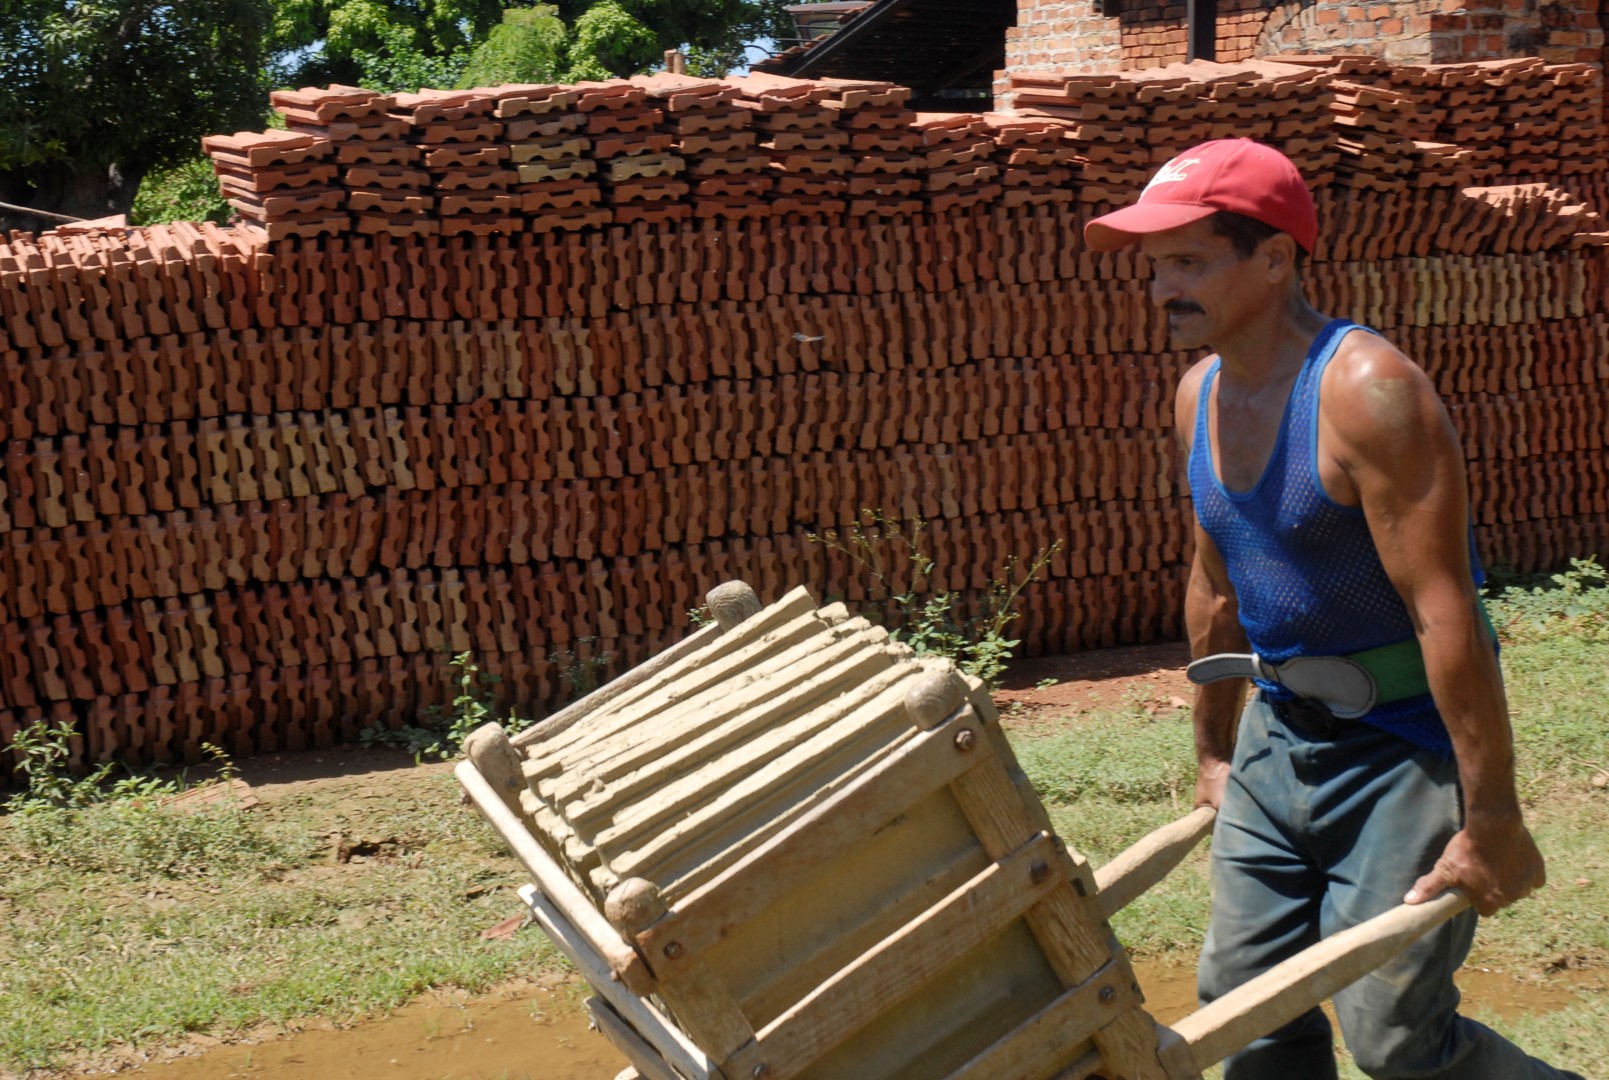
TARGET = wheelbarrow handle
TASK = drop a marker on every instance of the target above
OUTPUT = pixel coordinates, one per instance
(1291, 988)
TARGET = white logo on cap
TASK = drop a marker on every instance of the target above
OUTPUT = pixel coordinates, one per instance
(1174, 171)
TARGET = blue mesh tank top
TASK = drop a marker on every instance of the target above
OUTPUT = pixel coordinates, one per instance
(1304, 568)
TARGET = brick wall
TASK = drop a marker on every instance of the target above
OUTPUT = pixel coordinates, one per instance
(252, 486)
(1063, 35)
(1439, 31)
(1073, 33)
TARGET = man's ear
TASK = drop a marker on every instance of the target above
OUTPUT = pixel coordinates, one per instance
(1280, 251)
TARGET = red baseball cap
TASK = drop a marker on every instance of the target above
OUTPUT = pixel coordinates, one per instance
(1225, 174)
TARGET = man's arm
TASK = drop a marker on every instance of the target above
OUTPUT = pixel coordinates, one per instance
(1212, 620)
(1392, 439)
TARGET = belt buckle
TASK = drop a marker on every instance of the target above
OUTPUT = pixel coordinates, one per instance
(1310, 718)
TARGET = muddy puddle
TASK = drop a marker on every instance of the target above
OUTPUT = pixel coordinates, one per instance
(1170, 991)
(534, 1033)
(525, 1033)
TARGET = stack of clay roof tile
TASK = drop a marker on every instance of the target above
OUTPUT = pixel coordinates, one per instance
(640, 173)
(386, 190)
(958, 167)
(248, 486)
(801, 137)
(1127, 123)
(1467, 103)
(1512, 218)
(726, 174)
(281, 181)
(1515, 120)
(1560, 132)
(465, 156)
(1036, 159)
(886, 174)
(1376, 141)
(550, 152)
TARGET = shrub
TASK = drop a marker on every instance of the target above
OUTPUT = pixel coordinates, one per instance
(1573, 603)
(442, 729)
(938, 623)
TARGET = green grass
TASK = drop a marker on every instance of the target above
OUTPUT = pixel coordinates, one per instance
(262, 926)
(1107, 780)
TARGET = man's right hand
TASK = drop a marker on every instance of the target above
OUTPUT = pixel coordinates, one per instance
(1494, 862)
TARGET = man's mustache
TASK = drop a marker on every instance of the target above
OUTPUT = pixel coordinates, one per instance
(1182, 307)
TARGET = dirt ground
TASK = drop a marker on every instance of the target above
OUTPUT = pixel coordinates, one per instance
(1150, 675)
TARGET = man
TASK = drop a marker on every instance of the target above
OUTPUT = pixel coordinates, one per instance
(1332, 522)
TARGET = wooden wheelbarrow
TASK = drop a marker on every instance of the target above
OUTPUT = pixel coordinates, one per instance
(788, 847)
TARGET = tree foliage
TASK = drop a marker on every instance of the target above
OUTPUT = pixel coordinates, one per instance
(526, 47)
(398, 65)
(324, 41)
(406, 44)
(95, 94)
(609, 40)
(186, 192)
(712, 32)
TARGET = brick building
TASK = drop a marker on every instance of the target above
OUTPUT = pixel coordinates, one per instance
(1110, 35)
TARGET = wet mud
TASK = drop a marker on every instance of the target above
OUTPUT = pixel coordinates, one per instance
(521, 1034)
(534, 1033)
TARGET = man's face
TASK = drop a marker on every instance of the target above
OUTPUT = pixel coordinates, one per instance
(1203, 284)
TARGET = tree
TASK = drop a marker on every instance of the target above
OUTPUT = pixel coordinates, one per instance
(96, 93)
(624, 37)
(526, 47)
(610, 41)
(406, 44)
(367, 42)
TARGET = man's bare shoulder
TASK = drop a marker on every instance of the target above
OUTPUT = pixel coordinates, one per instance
(1188, 393)
(1190, 382)
(1374, 395)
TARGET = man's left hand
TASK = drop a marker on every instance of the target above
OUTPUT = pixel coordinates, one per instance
(1494, 863)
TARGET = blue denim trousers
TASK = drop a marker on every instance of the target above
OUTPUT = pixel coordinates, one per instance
(1320, 830)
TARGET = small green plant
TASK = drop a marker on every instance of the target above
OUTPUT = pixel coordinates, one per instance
(1573, 603)
(442, 729)
(937, 623)
(42, 751)
(578, 674)
(700, 616)
(129, 826)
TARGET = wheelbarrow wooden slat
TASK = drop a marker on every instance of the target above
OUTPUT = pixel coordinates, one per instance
(652, 1033)
(696, 713)
(747, 724)
(607, 711)
(623, 962)
(755, 882)
(609, 692)
(901, 963)
(648, 1063)
(696, 806)
(1065, 1025)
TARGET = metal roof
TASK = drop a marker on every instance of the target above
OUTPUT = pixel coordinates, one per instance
(928, 45)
